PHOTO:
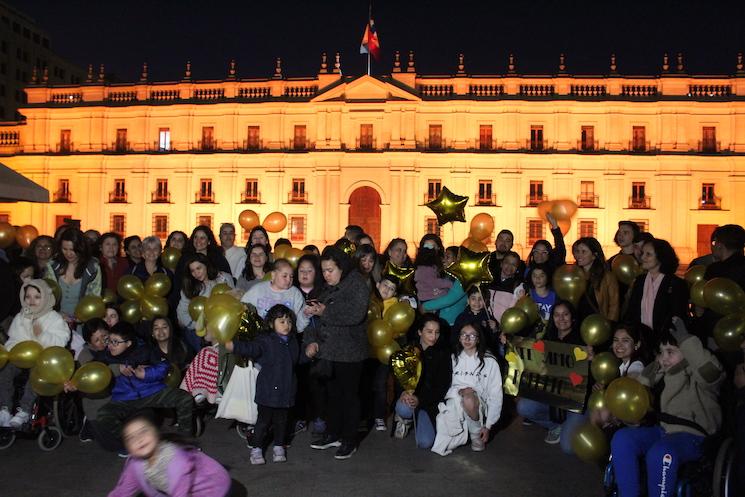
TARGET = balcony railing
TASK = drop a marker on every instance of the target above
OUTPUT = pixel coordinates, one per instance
(117, 197)
(120, 147)
(588, 145)
(204, 198)
(157, 148)
(429, 198)
(640, 202)
(365, 144)
(301, 145)
(587, 200)
(250, 197)
(207, 145)
(486, 199)
(640, 145)
(536, 145)
(297, 197)
(157, 197)
(486, 144)
(253, 145)
(64, 147)
(533, 200)
(437, 144)
(62, 196)
(710, 203)
(709, 146)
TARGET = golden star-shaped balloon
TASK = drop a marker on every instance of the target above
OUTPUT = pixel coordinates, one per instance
(471, 268)
(448, 207)
(404, 276)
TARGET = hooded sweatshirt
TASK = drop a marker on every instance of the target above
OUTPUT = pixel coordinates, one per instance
(40, 323)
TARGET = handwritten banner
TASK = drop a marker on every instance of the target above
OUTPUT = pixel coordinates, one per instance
(553, 373)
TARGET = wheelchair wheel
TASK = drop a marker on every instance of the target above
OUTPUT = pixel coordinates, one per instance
(49, 439)
(722, 474)
(68, 416)
(7, 438)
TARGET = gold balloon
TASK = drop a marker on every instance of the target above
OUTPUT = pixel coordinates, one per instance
(225, 300)
(590, 444)
(604, 367)
(697, 293)
(482, 226)
(7, 235)
(570, 282)
(695, 274)
(130, 311)
(404, 276)
(379, 333)
(407, 366)
(595, 329)
(220, 289)
(89, 307)
(346, 246)
(4, 354)
(109, 296)
(470, 268)
(374, 310)
(275, 222)
(627, 399)
(400, 316)
(92, 377)
(529, 307)
(563, 209)
(196, 307)
(564, 225)
(596, 400)
(293, 255)
(248, 219)
(513, 320)
(383, 354)
(724, 296)
(25, 354)
(55, 365)
(625, 268)
(448, 207)
(43, 387)
(173, 378)
(222, 322)
(158, 285)
(130, 287)
(170, 257)
(729, 332)
(25, 235)
(152, 307)
(474, 245)
(280, 251)
(56, 290)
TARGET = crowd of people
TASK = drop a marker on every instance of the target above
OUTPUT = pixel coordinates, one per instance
(316, 371)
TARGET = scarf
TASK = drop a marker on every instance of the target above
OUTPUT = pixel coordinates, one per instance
(47, 300)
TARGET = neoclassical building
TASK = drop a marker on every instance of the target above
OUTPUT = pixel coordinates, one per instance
(667, 151)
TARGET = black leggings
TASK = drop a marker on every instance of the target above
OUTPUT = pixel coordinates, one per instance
(344, 401)
(274, 417)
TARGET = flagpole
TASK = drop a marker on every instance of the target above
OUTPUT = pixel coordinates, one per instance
(369, 17)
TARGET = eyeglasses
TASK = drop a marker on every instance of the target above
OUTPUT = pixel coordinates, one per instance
(111, 341)
(468, 338)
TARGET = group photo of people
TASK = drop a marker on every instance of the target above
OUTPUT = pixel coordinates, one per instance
(434, 345)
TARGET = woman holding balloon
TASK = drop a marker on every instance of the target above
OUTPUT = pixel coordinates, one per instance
(38, 323)
(601, 295)
(542, 251)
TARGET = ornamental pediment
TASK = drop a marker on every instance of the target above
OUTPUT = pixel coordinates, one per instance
(365, 89)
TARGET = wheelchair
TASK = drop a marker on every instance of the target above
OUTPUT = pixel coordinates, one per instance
(711, 476)
(52, 419)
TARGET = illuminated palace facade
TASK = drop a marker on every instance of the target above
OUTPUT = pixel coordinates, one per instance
(667, 151)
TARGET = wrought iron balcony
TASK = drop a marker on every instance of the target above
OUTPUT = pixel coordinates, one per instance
(161, 197)
(640, 202)
(62, 196)
(250, 197)
(709, 146)
(116, 197)
(587, 200)
(204, 198)
(297, 197)
(252, 145)
(588, 145)
(710, 203)
(533, 200)
(486, 199)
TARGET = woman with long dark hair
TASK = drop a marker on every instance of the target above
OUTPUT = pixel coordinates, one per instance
(258, 265)
(41, 252)
(429, 277)
(365, 259)
(601, 295)
(113, 264)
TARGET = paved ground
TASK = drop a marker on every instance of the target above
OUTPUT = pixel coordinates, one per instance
(517, 463)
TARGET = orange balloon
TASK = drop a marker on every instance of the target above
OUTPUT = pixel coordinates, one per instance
(7, 235)
(275, 222)
(563, 209)
(25, 235)
(474, 245)
(544, 208)
(482, 226)
(564, 225)
(248, 219)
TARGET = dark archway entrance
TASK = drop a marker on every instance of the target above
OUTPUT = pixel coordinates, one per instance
(364, 211)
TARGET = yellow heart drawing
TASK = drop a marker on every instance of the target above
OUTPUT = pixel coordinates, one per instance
(511, 357)
(580, 354)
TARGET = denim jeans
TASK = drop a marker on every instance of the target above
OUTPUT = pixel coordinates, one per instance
(7, 377)
(539, 413)
(424, 432)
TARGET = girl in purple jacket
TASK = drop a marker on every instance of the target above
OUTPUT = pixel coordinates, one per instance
(159, 468)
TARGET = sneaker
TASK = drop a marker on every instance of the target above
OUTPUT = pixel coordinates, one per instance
(319, 426)
(123, 454)
(279, 454)
(380, 424)
(5, 417)
(402, 427)
(553, 436)
(527, 422)
(199, 398)
(86, 434)
(256, 456)
(477, 445)
(19, 419)
(325, 442)
(345, 451)
(300, 426)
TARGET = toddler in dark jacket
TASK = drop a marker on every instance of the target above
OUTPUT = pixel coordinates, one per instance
(278, 353)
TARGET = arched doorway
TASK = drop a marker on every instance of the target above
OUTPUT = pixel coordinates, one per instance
(364, 211)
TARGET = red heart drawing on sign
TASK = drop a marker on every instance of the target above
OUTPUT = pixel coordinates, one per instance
(575, 378)
(539, 346)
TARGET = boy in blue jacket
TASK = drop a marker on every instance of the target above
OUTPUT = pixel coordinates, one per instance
(139, 384)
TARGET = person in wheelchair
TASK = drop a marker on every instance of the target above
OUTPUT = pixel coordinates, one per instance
(688, 411)
(140, 385)
(37, 322)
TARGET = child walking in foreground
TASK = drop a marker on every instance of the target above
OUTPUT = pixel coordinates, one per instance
(278, 352)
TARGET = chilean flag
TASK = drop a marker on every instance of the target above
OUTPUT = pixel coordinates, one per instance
(370, 43)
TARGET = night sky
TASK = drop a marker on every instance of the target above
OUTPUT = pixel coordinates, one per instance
(209, 33)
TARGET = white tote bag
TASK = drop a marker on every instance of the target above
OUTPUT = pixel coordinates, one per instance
(238, 399)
